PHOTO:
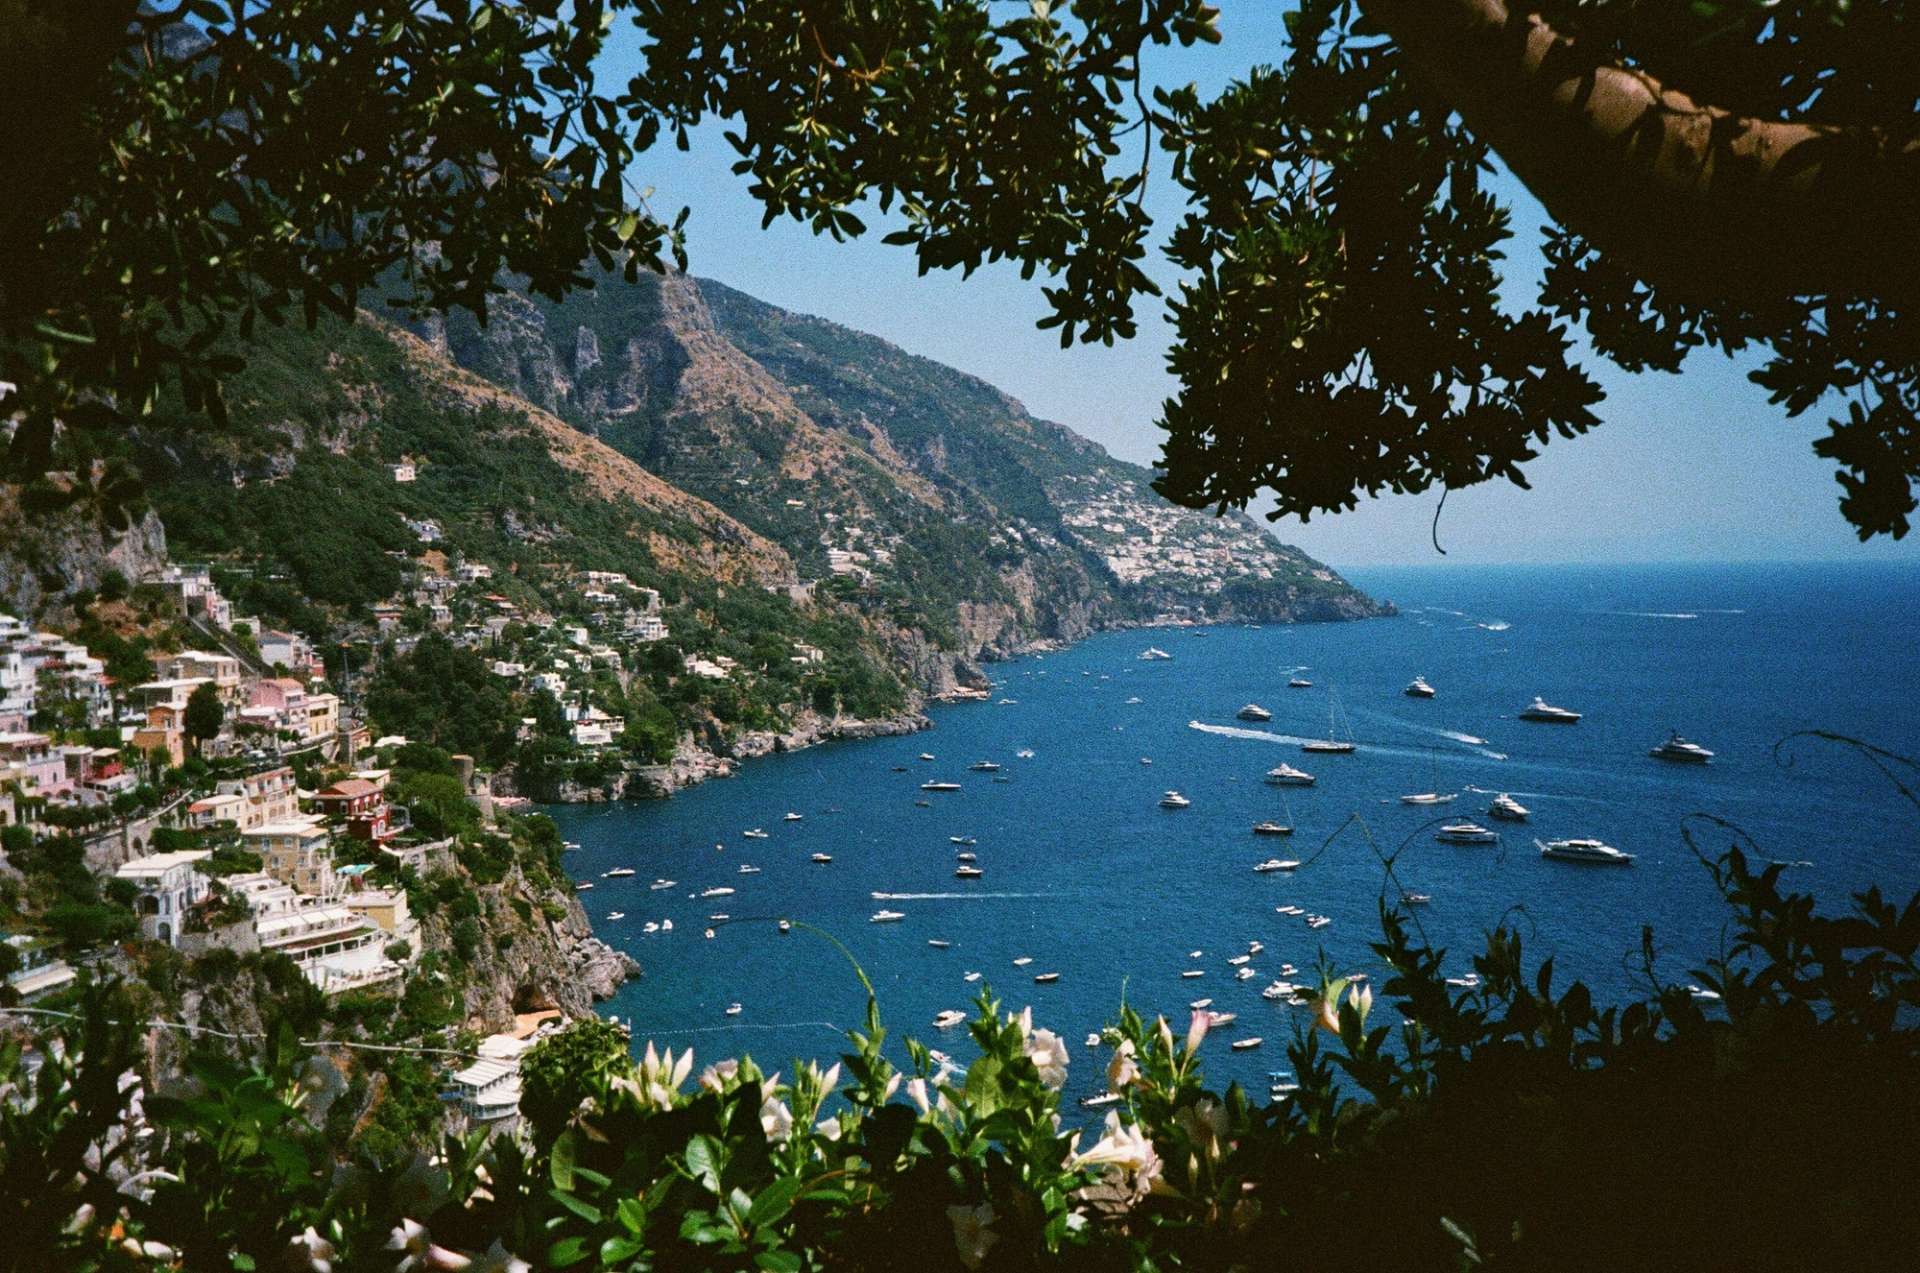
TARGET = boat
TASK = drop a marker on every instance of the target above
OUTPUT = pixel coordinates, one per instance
(1248, 1044)
(1546, 713)
(716, 892)
(984, 767)
(718, 917)
(967, 873)
(965, 840)
(939, 786)
(1271, 828)
(1198, 1004)
(1279, 990)
(755, 834)
(1045, 978)
(966, 857)
(581, 886)
(1194, 954)
(1465, 833)
(1318, 921)
(1146, 760)
(822, 858)
(1299, 683)
(734, 1009)
(1237, 960)
(1174, 800)
(1681, 752)
(949, 1018)
(1416, 899)
(1589, 851)
(899, 769)
(1093, 1039)
(666, 925)
(619, 873)
(926, 755)
(972, 976)
(1288, 776)
(1099, 1100)
(1468, 982)
(748, 869)
(1025, 753)
(1245, 974)
(1429, 797)
(923, 804)
(1255, 947)
(1023, 961)
(887, 917)
(1133, 701)
(616, 915)
(786, 925)
(1289, 910)
(792, 817)
(650, 927)
(1701, 992)
(1217, 1019)
(570, 846)
(1254, 712)
(1330, 745)
(1418, 688)
(1506, 808)
(1275, 864)
(1191, 973)
(938, 943)
(1152, 653)
(660, 885)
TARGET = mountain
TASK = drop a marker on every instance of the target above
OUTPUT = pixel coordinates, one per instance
(890, 474)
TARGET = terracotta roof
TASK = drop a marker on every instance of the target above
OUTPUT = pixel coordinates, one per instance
(348, 788)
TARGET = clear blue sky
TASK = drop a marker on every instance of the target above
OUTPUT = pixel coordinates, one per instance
(1688, 467)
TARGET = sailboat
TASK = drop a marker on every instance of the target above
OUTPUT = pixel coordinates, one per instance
(1329, 745)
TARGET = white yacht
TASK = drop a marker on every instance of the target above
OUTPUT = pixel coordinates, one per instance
(716, 892)
(1237, 960)
(747, 868)
(1318, 921)
(1327, 747)
(1100, 1099)
(755, 834)
(1217, 1019)
(1023, 961)
(985, 767)
(1247, 1045)
(1245, 974)
(1254, 712)
(1154, 652)
(1541, 710)
(971, 977)
(1506, 808)
(822, 858)
(948, 1019)
(1045, 978)
(1592, 851)
(1093, 1039)
(1416, 899)
(1429, 797)
(718, 917)
(786, 925)
(619, 873)
(666, 925)
(1299, 683)
(1275, 864)
(1174, 800)
(1279, 990)
(581, 886)
(939, 786)
(1198, 1004)
(887, 917)
(616, 914)
(734, 1009)
(1190, 973)
(1682, 752)
(926, 755)
(1288, 776)
(651, 926)
(1468, 982)
(791, 817)
(1418, 688)
(966, 856)
(965, 872)
(1271, 828)
(661, 885)
(1465, 833)
(1025, 753)
(1134, 701)
(939, 943)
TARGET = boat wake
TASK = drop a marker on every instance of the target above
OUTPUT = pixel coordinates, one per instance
(1294, 740)
(1472, 743)
(950, 897)
(1653, 614)
(1535, 795)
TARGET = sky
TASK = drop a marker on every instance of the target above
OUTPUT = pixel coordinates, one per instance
(1693, 467)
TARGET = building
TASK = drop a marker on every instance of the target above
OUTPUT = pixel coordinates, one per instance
(40, 972)
(297, 851)
(214, 810)
(323, 716)
(286, 649)
(281, 703)
(41, 771)
(335, 948)
(194, 587)
(170, 885)
(359, 805)
(194, 666)
(403, 471)
(269, 796)
(646, 627)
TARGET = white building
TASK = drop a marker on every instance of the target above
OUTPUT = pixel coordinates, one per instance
(169, 885)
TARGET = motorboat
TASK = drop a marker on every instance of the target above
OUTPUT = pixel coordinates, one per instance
(1146, 760)
(1191, 973)
(1327, 747)
(716, 892)
(939, 786)
(792, 817)
(1418, 688)
(1133, 701)
(923, 804)
(734, 1009)
(651, 926)
(1416, 899)
(749, 869)
(1198, 1004)
(926, 755)
(1194, 954)
(666, 925)
(966, 857)
(1506, 808)
(619, 873)
(1318, 921)
(1299, 683)
(661, 885)
(1174, 800)
(786, 925)
(1255, 947)
(1590, 851)
(1093, 1039)
(1289, 910)
(1544, 712)
(984, 767)
(718, 917)
(1271, 828)
(756, 834)
(938, 943)
(1045, 978)
(1151, 653)
(1025, 753)
(1278, 990)
(1275, 864)
(581, 886)
(1681, 752)
(1428, 797)
(1245, 974)
(967, 873)
(570, 846)
(887, 917)
(1237, 960)
(1465, 833)
(965, 840)
(1099, 1100)
(1023, 961)
(1248, 1044)
(616, 915)
(1217, 1019)
(1468, 982)
(971, 977)
(822, 858)
(949, 1018)
(1254, 712)
(1288, 776)
(1702, 993)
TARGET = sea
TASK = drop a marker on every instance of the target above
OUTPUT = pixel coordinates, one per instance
(1086, 876)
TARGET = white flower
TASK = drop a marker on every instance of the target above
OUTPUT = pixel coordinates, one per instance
(1197, 1029)
(893, 1085)
(1361, 997)
(717, 1076)
(1049, 1052)
(775, 1119)
(971, 1232)
(1121, 1071)
(917, 1093)
(1127, 1149)
(829, 1128)
(1165, 1032)
(1205, 1122)
(310, 1253)
(830, 1079)
(412, 1240)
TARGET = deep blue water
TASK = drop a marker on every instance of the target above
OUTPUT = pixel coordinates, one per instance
(1085, 874)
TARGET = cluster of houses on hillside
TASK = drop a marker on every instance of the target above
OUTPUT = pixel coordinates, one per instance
(1143, 539)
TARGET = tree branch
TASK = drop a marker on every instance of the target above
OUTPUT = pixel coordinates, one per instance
(1717, 206)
